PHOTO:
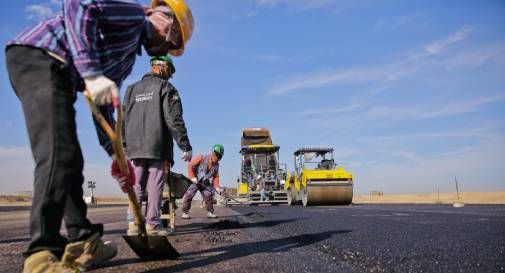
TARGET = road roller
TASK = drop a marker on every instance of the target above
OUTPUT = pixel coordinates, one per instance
(317, 180)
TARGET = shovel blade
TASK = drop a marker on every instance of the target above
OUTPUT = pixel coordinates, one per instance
(152, 247)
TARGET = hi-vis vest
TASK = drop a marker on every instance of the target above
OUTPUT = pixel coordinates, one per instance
(203, 174)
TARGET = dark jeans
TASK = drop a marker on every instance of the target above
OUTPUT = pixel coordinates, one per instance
(47, 94)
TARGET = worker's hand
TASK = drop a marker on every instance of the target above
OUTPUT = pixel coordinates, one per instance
(219, 191)
(125, 181)
(186, 156)
(102, 90)
(194, 180)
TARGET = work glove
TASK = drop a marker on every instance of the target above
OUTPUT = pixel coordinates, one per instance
(125, 181)
(102, 90)
(194, 180)
(186, 156)
(219, 191)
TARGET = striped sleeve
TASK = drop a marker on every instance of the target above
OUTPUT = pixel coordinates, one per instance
(81, 18)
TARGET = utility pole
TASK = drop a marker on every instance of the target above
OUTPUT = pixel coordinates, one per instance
(457, 188)
(458, 204)
(91, 187)
(438, 195)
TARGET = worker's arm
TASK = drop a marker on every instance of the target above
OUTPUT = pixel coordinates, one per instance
(103, 139)
(82, 33)
(126, 102)
(215, 180)
(192, 166)
(172, 113)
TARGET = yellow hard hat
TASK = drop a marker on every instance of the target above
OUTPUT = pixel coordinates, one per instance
(183, 15)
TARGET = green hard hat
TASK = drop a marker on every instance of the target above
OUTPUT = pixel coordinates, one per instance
(218, 149)
(166, 59)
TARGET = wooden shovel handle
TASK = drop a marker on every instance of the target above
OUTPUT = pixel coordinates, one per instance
(117, 146)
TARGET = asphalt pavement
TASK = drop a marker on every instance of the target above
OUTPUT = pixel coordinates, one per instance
(356, 238)
(398, 238)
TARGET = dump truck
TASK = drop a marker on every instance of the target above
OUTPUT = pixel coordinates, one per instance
(317, 180)
(260, 157)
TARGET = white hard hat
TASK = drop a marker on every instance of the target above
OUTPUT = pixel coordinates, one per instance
(259, 176)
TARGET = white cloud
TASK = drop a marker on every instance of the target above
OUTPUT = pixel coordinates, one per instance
(278, 58)
(439, 46)
(468, 163)
(395, 22)
(479, 56)
(39, 12)
(409, 156)
(473, 133)
(378, 74)
(433, 111)
(318, 79)
(353, 106)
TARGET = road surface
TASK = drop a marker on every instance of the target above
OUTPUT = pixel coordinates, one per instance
(357, 238)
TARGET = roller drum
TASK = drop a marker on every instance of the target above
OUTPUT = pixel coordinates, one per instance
(327, 193)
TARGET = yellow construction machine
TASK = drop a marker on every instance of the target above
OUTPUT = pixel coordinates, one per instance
(317, 180)
(260, 158)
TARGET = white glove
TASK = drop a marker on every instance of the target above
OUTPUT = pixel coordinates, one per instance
(186, 156)
(193, 180)
(122, 180)
(102, 90)
(219, 191)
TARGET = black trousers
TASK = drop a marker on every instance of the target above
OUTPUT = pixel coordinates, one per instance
(47, 94)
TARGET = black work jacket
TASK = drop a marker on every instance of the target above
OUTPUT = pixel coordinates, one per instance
(153, 118)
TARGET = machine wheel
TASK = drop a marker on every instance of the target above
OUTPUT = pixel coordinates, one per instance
(305, 197)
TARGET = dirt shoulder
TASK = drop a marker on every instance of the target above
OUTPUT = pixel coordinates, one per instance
(433, 198)
(12, 200)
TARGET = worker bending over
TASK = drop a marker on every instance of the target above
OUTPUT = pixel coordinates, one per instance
(92, 46)
(203, 171)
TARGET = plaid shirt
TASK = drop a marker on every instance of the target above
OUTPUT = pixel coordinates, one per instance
(96, 37)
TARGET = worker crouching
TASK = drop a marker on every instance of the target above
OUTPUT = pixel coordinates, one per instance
(204, 174)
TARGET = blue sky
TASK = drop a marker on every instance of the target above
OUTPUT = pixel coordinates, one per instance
(409, 93)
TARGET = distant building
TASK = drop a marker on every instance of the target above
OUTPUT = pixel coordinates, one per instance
(376, 193)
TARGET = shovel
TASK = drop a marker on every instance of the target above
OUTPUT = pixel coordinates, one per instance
(146, 247)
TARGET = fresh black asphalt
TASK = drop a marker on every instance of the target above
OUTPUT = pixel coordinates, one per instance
(388, 238)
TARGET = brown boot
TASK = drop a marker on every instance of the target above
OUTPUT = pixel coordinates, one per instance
(156, 230)
(45, 262)
(95, 252)
(133, 229)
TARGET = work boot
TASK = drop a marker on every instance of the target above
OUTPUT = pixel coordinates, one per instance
(211, 215)
(45, 262)
(156, 230)
(133, 229)
(95, 252)
(185, 216)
